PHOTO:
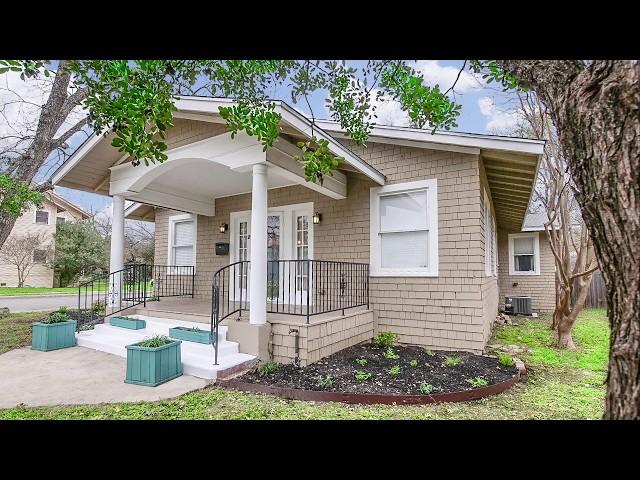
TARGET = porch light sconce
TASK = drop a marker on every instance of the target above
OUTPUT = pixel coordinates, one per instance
(317, 218)
(223, 227)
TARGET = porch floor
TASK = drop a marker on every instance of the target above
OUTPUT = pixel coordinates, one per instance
(199, 309)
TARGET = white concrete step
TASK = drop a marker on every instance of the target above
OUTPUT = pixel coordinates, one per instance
(197, 358)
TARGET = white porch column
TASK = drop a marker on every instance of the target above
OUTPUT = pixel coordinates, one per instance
(258, 279)
(116, 257)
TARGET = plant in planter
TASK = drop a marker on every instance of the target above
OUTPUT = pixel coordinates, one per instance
(128, 322)
(191, 334)
(99, 307)
(153, 361)
(57, 331)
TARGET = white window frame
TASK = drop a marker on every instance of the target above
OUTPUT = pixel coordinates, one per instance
(536, 253)
(173, 219)
(34, 256)
(431, 186)
(35, 216)
(489, 238)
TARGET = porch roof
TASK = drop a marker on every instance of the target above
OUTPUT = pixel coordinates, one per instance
(88, 168)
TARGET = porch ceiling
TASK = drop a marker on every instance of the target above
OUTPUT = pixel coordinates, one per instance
(511, 179)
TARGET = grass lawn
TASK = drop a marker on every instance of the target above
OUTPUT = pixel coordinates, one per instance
(560, 385)
(97, 287)
(15, 291)
(15, 329)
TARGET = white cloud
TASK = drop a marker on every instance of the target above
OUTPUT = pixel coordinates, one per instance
(498, 120)
(445, 76)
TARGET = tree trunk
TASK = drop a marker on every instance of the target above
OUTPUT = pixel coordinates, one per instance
(596, 110)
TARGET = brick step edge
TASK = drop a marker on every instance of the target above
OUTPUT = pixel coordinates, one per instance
(236, 370)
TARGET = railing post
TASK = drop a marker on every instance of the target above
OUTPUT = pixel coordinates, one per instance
(144, 288)
(193, 281)
(78, 315)
(308, 286)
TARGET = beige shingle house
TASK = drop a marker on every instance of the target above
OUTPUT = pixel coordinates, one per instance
(40, 221)
(406, 236)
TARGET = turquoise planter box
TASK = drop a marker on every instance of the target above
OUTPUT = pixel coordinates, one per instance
(184, 333)
(126, 322)
(53, 336)
(153, 366)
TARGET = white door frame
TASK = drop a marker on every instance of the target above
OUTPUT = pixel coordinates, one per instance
(287, 231)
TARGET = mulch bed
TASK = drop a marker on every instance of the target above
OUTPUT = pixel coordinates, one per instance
(430, 369)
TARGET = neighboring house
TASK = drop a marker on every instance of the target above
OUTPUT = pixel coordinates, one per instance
(40, 221)
(415, 221)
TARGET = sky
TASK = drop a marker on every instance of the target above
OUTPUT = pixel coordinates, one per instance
(485, 109)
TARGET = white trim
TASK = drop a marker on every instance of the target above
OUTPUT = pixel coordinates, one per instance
(432, 216)
(71, 162)
(173, 219)
(35, 216)
(536, 252)
(440, 140)
(489, 237)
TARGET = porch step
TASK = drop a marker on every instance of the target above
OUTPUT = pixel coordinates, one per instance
(197, 358)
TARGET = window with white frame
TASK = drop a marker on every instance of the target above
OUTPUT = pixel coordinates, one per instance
(489, 238)
(404, 229)
(182, 240)
(524, 254)
(42, 217)
(39, 256)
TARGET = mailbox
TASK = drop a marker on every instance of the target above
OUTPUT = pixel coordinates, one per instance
(222, 249)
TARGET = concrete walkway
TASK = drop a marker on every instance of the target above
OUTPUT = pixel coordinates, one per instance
(30, 303)
(76, 375)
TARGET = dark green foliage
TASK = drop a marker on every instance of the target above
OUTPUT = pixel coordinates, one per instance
(267, 368)
(426, 388)
(156, 341)
(394, 371)
(361, 375)
(452, 361)
(16, 197)
(477, 382)
(57, 317)
(325, 382)
(361, 361)
(390, 354)
(80, 249)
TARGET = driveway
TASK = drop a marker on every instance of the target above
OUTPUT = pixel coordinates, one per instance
(74, 376)
(29, 303)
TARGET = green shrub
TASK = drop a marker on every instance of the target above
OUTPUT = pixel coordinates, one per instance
(390, 354)
(361, 376)
(429, 352)
(267, 368)
(413, 363)
(63, 309)
(426, 388)
(477, 382)
(361, 361)
(394, 371)
(57, 317)
(324, 382)
(385, 339)
(505, 360)
(452, 361)
(156, 341)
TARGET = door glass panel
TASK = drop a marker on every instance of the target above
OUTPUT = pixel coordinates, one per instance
(302, 251)
(273, 253)
(243, 253)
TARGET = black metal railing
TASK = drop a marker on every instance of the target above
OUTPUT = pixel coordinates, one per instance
(313, 287)
(294, 287)
(229, 295)
(135, 284)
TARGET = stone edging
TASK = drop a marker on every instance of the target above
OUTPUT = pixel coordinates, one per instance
(321, 396)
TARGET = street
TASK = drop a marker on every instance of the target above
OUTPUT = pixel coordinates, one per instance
(38, 302)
